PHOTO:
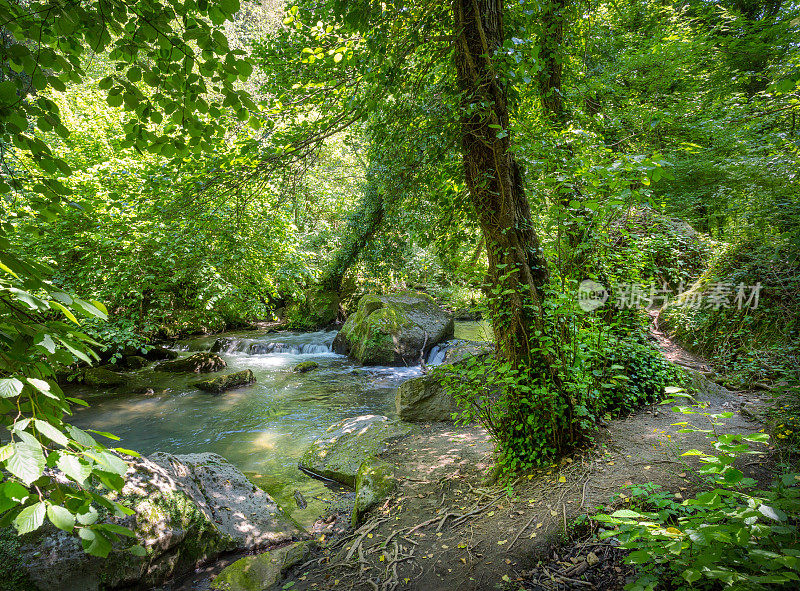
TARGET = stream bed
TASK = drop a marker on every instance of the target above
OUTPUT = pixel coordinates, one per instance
(262, 429)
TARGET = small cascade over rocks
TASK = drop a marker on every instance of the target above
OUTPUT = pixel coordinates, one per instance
(318, 343)
(455, 350)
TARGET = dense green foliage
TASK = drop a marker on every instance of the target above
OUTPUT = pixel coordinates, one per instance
(197, 166)
(730, 534)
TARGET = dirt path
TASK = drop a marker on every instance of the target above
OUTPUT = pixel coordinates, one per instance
(444, 529)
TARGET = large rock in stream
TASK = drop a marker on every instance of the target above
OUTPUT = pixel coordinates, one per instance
(188, 509)
(393, 329)
(347, 444)
(198, 363)
(426, 398)
(229, 381)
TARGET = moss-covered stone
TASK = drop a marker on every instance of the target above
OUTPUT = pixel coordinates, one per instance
(203, 362)
(102, 377)
(262, 571)
(374, 482)
(134, 362)
(339, 455)
(187, 509)
(305, 366)
(159, 353)
(227, 382)
(13, 577)
(394, 329)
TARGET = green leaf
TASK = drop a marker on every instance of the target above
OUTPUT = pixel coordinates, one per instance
(627, 513)
(28, 461)
(73, 467)
(10, 387)
(94, 542)
(30, 518)
(51, 432)
(67, 312)
(61, 517)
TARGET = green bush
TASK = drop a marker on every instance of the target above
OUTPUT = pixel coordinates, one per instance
(726, 536)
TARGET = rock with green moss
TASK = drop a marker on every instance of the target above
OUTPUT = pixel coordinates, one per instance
(305, 366)
(227, 382)
(134, 362)
(203, 362)
(187, 510)
(159, 353)
(262, 571)
(395, 329)
(102, 377)
(346, 444)
(374, 482)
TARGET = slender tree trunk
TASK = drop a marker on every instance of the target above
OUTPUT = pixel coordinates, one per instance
(363, 226)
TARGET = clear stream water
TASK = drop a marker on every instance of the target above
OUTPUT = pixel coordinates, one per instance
(263, 429)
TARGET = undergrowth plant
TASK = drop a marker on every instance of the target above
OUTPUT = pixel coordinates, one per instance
(605, 365)
(730, 535)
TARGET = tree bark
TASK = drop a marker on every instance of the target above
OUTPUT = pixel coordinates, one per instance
(516, 263)
(518, 270)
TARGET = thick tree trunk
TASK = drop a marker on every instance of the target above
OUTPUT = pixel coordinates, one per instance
(517, 268)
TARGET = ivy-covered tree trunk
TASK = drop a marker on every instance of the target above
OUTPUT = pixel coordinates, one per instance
(362, 227)
(517, 268)
(516, 263)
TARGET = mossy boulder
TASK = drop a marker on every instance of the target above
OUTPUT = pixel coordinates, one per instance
(339, 454)
(159, 353)
(227, 382)
(134, 362)
(262, 571)
(393, 329)
(305, 366)
(187, 510)
(203, 362)
(102, 377)
(374, 482)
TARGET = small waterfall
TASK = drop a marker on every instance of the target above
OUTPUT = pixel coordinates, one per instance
(288, 349)
(437, 353)
(321, 344)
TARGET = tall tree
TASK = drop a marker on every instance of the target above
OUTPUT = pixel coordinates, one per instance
(518, 271)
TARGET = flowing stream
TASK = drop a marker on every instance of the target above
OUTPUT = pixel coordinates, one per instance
(263, 429)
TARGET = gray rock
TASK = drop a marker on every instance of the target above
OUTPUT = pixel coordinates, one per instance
(426, 398)
(339, 454)
(197, 363)
(227, 382)
(393, 329)
(188, 509)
